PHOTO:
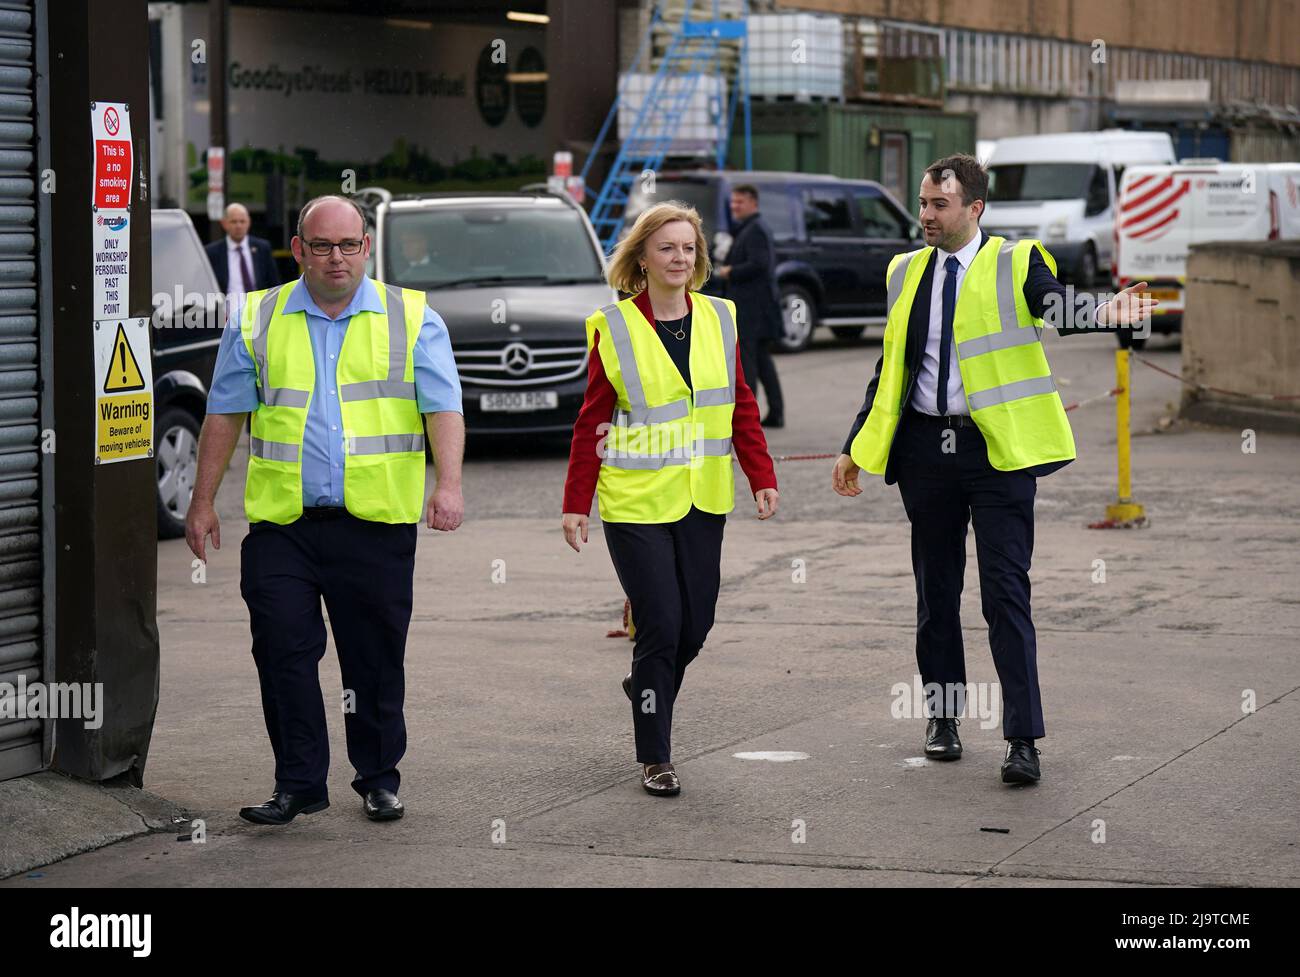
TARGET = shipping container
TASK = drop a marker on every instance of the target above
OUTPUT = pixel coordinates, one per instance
(858, 141)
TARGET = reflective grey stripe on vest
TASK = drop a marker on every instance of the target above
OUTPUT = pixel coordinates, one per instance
(272, 396)
(894, 290)
(1012, 333)
(713, 447)
(645, 462)
(394, 385)
(382, 444)
(704, 448)
(273, 450)
(1011, 391)
(626, 358)
(652, 415)
(715, 397)
(374, 389)
(728, 353)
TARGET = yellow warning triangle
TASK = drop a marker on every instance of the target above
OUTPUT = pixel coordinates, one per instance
(123, 371)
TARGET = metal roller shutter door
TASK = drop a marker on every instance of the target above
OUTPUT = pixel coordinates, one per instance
(21, 650)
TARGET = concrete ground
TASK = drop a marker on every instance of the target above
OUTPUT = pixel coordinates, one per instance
(1170, 688)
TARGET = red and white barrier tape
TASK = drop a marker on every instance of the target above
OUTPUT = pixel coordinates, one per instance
(1218, 390)
(803, 457)
(1114, 392)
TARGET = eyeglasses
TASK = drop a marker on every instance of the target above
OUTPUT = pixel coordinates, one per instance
(323, 248)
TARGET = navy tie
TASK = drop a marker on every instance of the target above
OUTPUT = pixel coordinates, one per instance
(945, 328)
(248, 275)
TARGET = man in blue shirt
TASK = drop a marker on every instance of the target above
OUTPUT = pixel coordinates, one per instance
(362, 567)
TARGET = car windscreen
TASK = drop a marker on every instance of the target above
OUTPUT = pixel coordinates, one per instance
(451, 246)
(177, 258)
(697, 193)
(1011, 182)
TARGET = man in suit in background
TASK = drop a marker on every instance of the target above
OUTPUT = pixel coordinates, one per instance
(963, 413)
(241, 262)
(750, 276)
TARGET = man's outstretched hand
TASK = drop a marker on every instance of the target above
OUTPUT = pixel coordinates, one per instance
(1128, 307)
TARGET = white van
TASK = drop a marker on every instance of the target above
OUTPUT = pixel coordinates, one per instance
(1164, 210)
(1061, 188)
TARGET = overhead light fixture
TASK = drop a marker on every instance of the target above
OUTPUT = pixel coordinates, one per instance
(527, 18)
(419, 25)
(527, 77)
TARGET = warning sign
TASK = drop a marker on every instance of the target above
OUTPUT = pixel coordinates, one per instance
(124, 391)
(123, 370)
(110, 214)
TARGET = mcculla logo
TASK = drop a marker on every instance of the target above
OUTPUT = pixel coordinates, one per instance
(102, 931)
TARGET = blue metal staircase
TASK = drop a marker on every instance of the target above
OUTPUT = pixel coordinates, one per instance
(694, 52)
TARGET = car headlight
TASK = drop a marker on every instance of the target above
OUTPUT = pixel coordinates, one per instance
(1056, 229)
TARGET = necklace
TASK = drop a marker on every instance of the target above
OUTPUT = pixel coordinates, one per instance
(679, 332)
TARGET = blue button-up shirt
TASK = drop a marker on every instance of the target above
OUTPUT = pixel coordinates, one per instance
(234, 382)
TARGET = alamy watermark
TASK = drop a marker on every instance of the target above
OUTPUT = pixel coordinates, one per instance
(53, 700)
(948, 700)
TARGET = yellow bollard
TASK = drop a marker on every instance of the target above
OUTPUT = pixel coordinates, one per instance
(1124, 513)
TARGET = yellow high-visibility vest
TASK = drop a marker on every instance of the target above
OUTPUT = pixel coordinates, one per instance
(668, 446)
(1009, 387)
(383, 443)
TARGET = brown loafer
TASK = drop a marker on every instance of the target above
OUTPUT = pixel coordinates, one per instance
(660, 779)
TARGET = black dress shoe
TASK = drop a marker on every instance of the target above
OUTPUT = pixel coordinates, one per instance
(1021, 764)
(383, 805)
(941, 739)
(662, 783)
(627, 687)
(773, 421)
(282, 808)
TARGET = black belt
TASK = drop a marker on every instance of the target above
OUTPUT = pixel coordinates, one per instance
(314, 512)
(942, 420)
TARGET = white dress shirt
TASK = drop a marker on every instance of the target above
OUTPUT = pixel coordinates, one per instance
(235, 283)
(925, 395)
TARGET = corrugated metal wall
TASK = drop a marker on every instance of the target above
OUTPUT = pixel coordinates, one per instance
(20, 530)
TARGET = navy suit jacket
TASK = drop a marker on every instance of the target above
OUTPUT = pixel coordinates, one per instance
(1040, 284)
(262, 264)
(751, 283)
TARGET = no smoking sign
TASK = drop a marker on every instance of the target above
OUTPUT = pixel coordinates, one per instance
(111, 126)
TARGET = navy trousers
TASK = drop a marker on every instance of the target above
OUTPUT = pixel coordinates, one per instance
(670, 573)
(363, 571)
(943, 492)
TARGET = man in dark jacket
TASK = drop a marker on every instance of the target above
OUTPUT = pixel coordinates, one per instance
(241, 262)
(750, 277)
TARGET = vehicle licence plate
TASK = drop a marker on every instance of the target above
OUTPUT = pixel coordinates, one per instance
(1164, 294)
(520, 400)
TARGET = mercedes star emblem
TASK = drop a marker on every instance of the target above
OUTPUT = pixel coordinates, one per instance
(517, 359)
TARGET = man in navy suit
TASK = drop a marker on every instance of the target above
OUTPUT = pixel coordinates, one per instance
(939, 456)
(750, 274)
(241, 262)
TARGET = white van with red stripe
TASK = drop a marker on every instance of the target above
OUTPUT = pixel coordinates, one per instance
(1164, 210)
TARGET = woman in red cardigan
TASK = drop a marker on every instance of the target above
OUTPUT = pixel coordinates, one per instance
(667, 562)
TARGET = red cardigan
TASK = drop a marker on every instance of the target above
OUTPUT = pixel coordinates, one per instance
(584, 463)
